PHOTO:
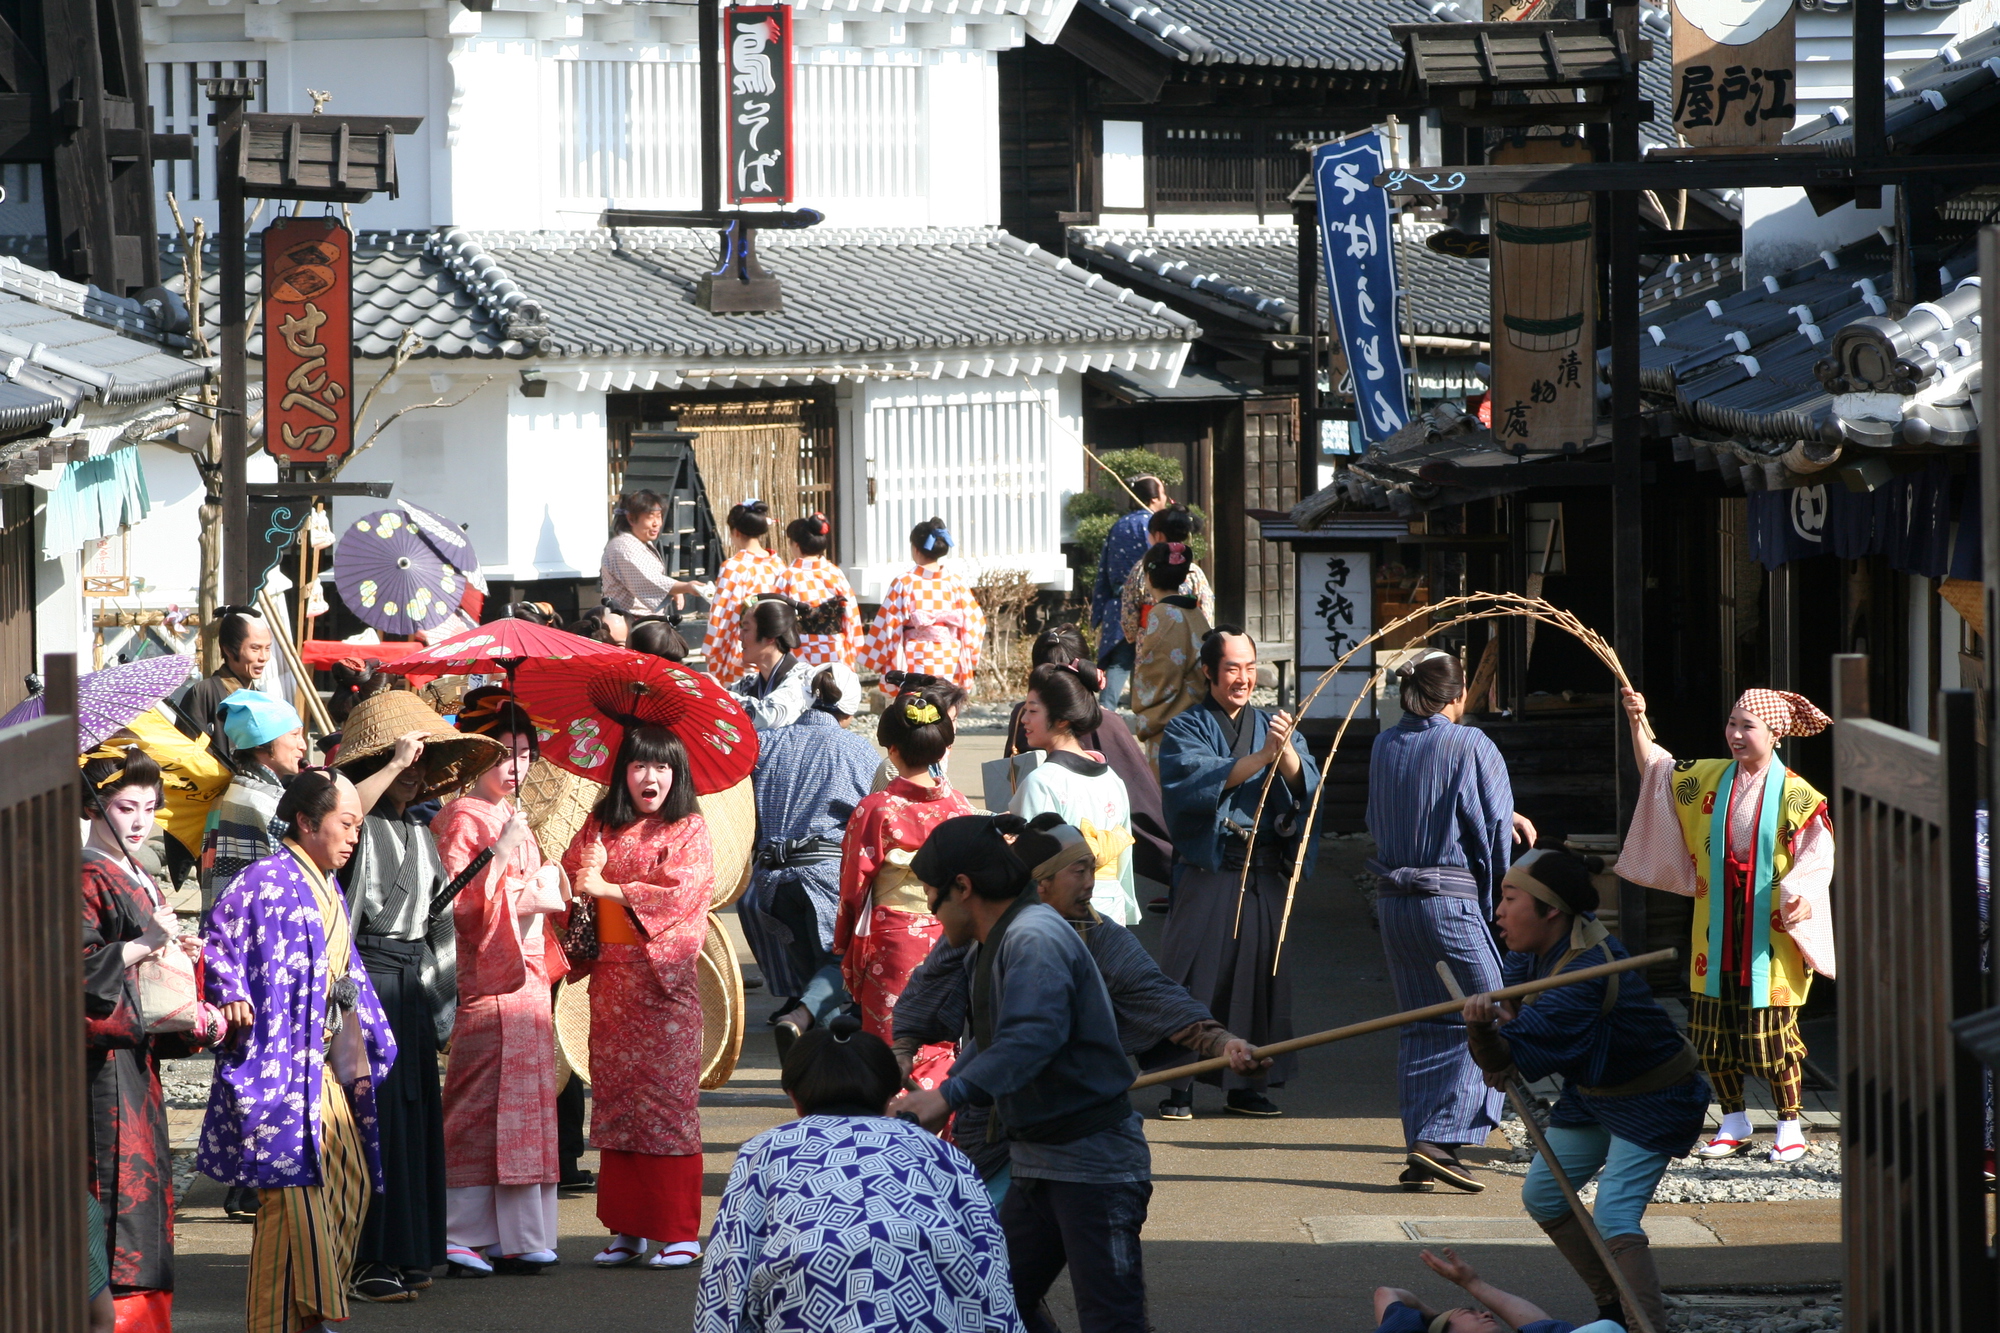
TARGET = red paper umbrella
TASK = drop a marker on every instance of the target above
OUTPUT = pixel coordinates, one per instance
(504, 643)
(587, 702)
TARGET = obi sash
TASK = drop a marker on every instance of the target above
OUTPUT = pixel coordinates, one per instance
(933, 627)
(897, 889)
(1425, 881)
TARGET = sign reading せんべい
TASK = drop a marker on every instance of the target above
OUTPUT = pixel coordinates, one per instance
(1733, 71)
(308, 340)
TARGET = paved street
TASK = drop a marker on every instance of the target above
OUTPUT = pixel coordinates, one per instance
(1237, 1207)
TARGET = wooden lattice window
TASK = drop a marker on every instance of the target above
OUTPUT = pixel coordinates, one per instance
(1270, 481)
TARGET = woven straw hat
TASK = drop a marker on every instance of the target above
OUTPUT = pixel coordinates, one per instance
(722, 1005)
(452, 759)
(732, 838)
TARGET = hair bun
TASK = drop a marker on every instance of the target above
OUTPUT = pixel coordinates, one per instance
(842, 1027)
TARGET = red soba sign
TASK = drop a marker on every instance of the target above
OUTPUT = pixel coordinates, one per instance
(308, 340)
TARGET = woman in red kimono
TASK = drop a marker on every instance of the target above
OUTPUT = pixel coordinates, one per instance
(644, 856)
(501, 1160)
(884, 927)
(126, 921)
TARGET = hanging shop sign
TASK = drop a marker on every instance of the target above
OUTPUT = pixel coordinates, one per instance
(1357, 240)
(1336, 611)
(308, 340)
(1544, 280)
(1733, 71)
(759, 41)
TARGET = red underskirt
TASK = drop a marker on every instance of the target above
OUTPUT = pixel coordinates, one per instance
(639, 1194)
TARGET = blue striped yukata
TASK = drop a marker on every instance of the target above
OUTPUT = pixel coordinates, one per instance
(1441, 811)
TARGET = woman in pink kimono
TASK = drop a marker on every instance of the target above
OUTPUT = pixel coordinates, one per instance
(501, 1161)
(644, 856)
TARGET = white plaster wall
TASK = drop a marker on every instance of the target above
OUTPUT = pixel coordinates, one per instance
(165, 548)
(499, 113)
(995, 458)
(964, 124)
(527, 475)
(1781, 231)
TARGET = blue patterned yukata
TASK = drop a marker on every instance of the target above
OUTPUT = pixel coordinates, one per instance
(1441, 811)
(854, 1224)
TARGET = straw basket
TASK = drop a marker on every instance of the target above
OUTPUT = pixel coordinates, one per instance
(556, 802)
(722, 1005)
(732, 837)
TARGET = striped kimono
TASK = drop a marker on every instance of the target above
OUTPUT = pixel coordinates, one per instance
(1441, 811)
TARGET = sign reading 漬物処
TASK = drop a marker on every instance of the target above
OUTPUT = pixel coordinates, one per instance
(1357, 239)
(1544, 283)
(758, 45)
(1733, 71)
(308, 340)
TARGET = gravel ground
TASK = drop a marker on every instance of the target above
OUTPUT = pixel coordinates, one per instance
(1784, 1314)
(1745, 1179)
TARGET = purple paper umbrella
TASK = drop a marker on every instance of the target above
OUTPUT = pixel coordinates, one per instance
(395, 575)
(107, 700)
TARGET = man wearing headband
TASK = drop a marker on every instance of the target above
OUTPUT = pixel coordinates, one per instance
(1633, 1098)
(1441, 811)
(1752, 833)
(1155, 1015)
(1045, 1055)
(1399, 1311)
(1214, 761)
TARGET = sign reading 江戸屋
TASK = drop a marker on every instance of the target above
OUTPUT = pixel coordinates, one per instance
(1357, 238)
(1544, 286)
(1733, 71)
(308, 340)
(758, 42)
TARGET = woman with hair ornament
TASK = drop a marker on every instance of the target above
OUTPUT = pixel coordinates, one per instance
(750, 571)
(884, 926)
(1749, 840)
(929, 621)
(829, 615)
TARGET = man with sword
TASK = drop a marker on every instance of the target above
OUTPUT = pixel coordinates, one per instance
(1633, 1096)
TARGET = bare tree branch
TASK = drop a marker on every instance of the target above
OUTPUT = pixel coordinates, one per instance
(394, 416)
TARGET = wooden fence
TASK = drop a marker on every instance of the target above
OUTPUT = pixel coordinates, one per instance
(1906, 914)
(45, 1139)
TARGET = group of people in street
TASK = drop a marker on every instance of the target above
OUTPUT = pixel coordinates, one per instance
(941, 975)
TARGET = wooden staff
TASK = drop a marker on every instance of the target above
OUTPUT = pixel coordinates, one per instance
(1429, 1011)
(1113, 475)
(1517, 1094)
(281, 635)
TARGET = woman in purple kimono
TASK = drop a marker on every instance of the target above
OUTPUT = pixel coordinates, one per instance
(292, 1109)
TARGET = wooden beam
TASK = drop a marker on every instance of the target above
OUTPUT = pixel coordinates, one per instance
(1746, 171)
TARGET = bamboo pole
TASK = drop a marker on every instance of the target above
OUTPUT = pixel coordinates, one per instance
(1429, 1011)
(1517, 1094)
(281, 634)
(1472, 607)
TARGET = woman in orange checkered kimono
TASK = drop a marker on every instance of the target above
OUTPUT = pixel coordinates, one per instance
(883, 926)
(930, 622)
(1759, 833)
(829, 618)
(748, 573)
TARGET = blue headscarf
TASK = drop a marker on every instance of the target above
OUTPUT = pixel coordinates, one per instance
(251, 719)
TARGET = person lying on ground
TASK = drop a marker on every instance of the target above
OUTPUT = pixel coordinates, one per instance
(1399, 1311)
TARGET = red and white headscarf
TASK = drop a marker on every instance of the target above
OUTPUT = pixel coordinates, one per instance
(1785, 713)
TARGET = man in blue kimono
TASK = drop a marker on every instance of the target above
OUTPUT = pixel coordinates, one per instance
(1213, 762)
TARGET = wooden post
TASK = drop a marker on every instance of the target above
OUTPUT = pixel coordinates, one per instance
(229, 95)
(1307, 216)
(1989, 487)
(708, 27)
(1628, 577)
(1870, 140)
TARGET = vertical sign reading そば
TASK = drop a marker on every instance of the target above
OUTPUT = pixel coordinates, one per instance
(308, 340)
(759, 41)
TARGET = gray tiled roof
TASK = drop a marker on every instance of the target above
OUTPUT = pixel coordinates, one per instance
(1930, 99)
(631, 293)
(69, 343)
(1297, 34)
(1252, 274)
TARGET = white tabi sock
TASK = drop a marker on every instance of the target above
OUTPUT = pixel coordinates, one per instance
(1735, 1125)
(1791, 1134)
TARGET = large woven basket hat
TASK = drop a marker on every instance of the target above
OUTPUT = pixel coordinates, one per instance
(722, 1006)
(452, 759)
(732, 839)
(556, 802)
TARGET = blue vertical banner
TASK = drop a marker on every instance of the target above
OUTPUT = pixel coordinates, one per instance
(1357, 244)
